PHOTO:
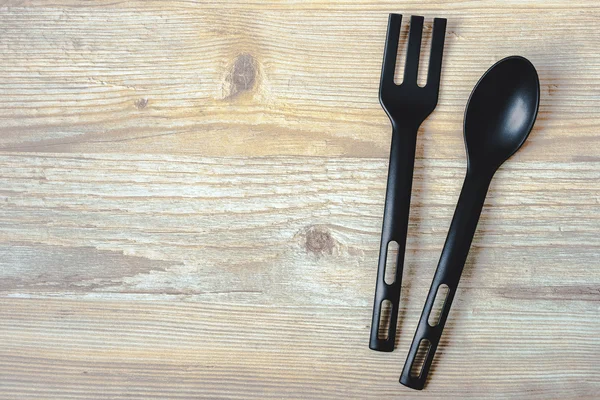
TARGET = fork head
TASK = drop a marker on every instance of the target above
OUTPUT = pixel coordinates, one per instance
(408, 101)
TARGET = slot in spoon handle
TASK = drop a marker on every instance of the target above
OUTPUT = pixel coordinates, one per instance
(395, 226)
(450, 266)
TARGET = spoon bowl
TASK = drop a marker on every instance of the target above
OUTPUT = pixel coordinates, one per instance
(501, 112)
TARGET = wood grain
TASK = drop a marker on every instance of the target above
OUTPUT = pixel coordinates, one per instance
(153, 76)
(191, 197)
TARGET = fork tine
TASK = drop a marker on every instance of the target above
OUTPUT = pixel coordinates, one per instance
(391, 48)
(414, 48)
(437, 49)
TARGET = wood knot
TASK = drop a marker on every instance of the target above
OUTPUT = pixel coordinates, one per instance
(140, 103)
(318, 240)
(242, 76)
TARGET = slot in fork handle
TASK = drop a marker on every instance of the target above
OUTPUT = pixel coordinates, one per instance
(395, 226)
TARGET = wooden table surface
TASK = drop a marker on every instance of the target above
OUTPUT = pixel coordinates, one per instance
(192, 194)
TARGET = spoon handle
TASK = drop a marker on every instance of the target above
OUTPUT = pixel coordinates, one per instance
(395, 226)
(450, 266)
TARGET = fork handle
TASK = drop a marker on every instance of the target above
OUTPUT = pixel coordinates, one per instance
(395, 226)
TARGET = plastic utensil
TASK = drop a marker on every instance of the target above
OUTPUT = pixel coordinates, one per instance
(407, 105)
(499, 116)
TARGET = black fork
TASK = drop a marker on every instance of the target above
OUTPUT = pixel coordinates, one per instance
(407, 105)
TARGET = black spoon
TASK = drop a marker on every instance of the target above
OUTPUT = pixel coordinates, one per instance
(499, 116)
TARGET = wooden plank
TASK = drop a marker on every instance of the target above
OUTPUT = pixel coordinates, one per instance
(81, 349)
(248, 79)
(251, 229)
